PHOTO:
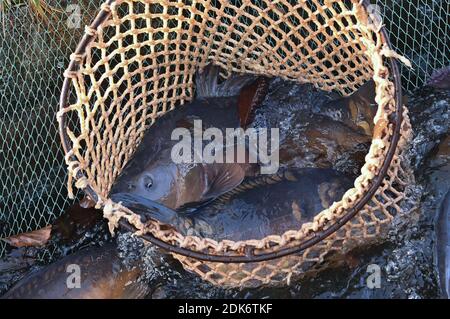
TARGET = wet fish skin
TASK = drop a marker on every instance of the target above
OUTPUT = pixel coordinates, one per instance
(318, 141)
(317, 128)
(151, 173)
(102, 276)
(285, 98)
(443, 245)
(262, 205)
(356, 111)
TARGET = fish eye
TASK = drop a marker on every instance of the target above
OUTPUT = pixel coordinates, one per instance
(148, 182)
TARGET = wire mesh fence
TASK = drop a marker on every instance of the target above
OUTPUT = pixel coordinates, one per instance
(420, 30)
(36, 40)
(35, 45)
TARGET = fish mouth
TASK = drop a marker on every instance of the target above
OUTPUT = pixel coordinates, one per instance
(146, 208)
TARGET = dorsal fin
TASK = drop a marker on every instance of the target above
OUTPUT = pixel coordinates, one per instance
(207, 83)
(250, 98)
(251, 183)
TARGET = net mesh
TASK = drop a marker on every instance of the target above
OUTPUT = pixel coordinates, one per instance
(137, 62)
(419, 30)
(34, 51)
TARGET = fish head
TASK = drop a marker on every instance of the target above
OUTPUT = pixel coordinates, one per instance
(363, 107)
(157, 183)
(168, 183)
(357, 110)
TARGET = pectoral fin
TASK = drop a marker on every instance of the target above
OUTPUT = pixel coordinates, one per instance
(207, 83)
(192, 207)
(365, 127)
(222, 178)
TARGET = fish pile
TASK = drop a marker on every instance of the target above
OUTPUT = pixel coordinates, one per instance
(323, 139)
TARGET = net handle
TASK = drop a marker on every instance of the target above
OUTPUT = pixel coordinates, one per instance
(250, 254)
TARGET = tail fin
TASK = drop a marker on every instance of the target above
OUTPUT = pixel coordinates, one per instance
(207, 83)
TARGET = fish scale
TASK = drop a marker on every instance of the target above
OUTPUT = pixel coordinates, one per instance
(250, 184)
(268, 204)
